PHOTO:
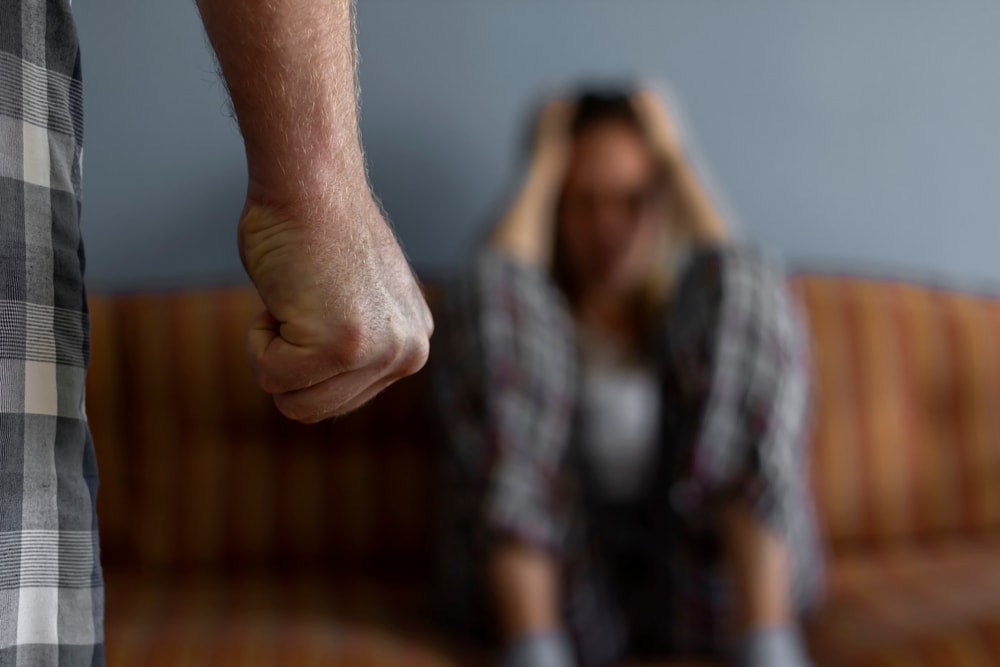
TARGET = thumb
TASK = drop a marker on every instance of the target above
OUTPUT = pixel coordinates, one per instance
(279, 366)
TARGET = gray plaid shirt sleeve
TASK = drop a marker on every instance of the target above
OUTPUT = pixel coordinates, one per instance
(751, 380)
(505, 368)
(51, 592)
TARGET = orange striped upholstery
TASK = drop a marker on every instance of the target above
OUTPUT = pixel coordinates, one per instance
(907, 423)
(200, 470)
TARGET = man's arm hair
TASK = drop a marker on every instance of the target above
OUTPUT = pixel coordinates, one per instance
(291, 70)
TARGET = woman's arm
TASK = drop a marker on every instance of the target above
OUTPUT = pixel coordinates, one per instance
(742, 355)
(761, 569)
(760, 563)
(694, 208)
(524, 582)
(525, 232)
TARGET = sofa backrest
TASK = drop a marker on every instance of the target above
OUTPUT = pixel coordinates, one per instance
(199, 470)
(907, 420)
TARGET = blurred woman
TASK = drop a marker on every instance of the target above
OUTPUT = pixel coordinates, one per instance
(624, 395)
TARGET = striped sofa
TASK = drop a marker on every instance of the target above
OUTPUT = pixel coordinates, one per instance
(906, 472)
(231, 536)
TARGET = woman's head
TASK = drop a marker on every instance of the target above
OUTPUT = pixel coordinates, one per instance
(629, 200)
(611, 212)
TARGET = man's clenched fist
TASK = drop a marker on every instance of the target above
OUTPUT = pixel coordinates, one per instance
(344, 317)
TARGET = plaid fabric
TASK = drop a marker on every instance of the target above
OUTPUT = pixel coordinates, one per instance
(51, 596)
(735, 365)
(734, 370)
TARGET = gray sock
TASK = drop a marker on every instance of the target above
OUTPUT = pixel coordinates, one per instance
(543, 650)
(776, 647)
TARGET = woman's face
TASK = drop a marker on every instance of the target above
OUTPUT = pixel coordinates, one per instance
(609, 217)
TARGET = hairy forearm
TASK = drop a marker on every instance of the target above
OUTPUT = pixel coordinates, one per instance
(290, 66)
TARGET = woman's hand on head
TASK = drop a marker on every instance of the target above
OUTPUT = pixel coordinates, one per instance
(662, 129)
(525, 232)
(553, 140)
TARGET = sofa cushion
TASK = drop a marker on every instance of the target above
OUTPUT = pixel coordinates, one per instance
(907, 430)
(302, 620)
(272, 621)
(901, 605)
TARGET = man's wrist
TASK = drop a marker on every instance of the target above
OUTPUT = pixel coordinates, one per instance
(335, 201)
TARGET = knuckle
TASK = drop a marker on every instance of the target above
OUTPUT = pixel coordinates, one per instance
(429, 326)
(418, 356)
(354, 344)
(410, 355)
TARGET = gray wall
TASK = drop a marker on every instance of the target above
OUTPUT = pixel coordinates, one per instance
(846, 134)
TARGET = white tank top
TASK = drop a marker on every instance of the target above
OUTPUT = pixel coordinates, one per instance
(620, 414)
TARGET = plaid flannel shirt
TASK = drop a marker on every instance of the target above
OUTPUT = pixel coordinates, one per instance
(51, 592)
(732, 358)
